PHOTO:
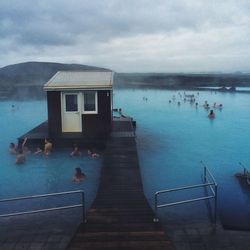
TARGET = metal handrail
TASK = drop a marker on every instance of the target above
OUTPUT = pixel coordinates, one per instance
(183, 188)
(206, 170)
(207, 174)
(246, 171)
(132, 128)
(47, 209)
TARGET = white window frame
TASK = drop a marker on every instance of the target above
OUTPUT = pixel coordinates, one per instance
(96, 103)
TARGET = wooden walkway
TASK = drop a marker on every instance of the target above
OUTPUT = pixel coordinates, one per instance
(120, 217)
(37, 135)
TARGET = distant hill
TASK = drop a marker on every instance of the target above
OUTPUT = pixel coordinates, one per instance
(27, 79)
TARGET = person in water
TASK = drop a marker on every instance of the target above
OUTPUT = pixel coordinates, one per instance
(38, 151)
(20, 157)
(14, 149)
(211, 114)
(21, 152)
(76, 151)
(13, 108)
(92, 154)
(47, 147)
(79, 175)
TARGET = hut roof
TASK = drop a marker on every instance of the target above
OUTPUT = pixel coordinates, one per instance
(77, 80)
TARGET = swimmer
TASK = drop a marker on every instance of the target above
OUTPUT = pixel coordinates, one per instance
(38, 151)
(211, 115)
(47, 147)
(20, 157)
(205, 105)
(79, 175)
(25, 148)
(196, 104)
(13, 148)
(92, 154)
(214, 105)
(13, 108)
(169, 101)
(76, 151)
(179, 103)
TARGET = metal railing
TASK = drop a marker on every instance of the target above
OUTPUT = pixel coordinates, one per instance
(246, 172)
(208, 180)
(82, 204)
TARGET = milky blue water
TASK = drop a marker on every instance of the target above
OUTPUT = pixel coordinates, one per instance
(172, 140)
(39, 175)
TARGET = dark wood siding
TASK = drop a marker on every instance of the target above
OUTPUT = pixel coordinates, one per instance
(54, 113)
(99, 124)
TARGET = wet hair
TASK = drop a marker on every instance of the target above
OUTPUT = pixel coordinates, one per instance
(78, 170)
(12, 145)
(211, 112)
(79, 173)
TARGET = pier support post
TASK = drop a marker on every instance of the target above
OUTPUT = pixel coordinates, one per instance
(156, 206)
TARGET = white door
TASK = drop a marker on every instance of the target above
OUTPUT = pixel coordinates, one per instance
(71, 112)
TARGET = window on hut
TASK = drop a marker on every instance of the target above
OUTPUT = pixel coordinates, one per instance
(90, 101)
(71, 102)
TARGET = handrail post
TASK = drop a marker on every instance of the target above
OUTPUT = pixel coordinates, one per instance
(84, 219)
(205, 174)
(215, 203)
(156, 206)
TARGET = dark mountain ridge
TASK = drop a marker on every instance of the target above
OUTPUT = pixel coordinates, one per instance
(26, 80)
(36, 72)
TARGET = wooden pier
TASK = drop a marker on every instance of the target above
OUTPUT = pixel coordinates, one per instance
(37, 135)
(120, 217)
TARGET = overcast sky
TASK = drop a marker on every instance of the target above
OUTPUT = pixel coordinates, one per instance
(129, 35)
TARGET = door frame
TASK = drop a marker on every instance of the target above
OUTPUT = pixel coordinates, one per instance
(63, 108)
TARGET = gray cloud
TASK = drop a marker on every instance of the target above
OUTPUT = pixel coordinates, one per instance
(160, 35)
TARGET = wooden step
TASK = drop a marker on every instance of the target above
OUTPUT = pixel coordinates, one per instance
(120, 236)
(123, 245)
(119, 219)
(116, 227)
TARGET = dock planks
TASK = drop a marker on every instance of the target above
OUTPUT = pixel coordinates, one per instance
(120, 217)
